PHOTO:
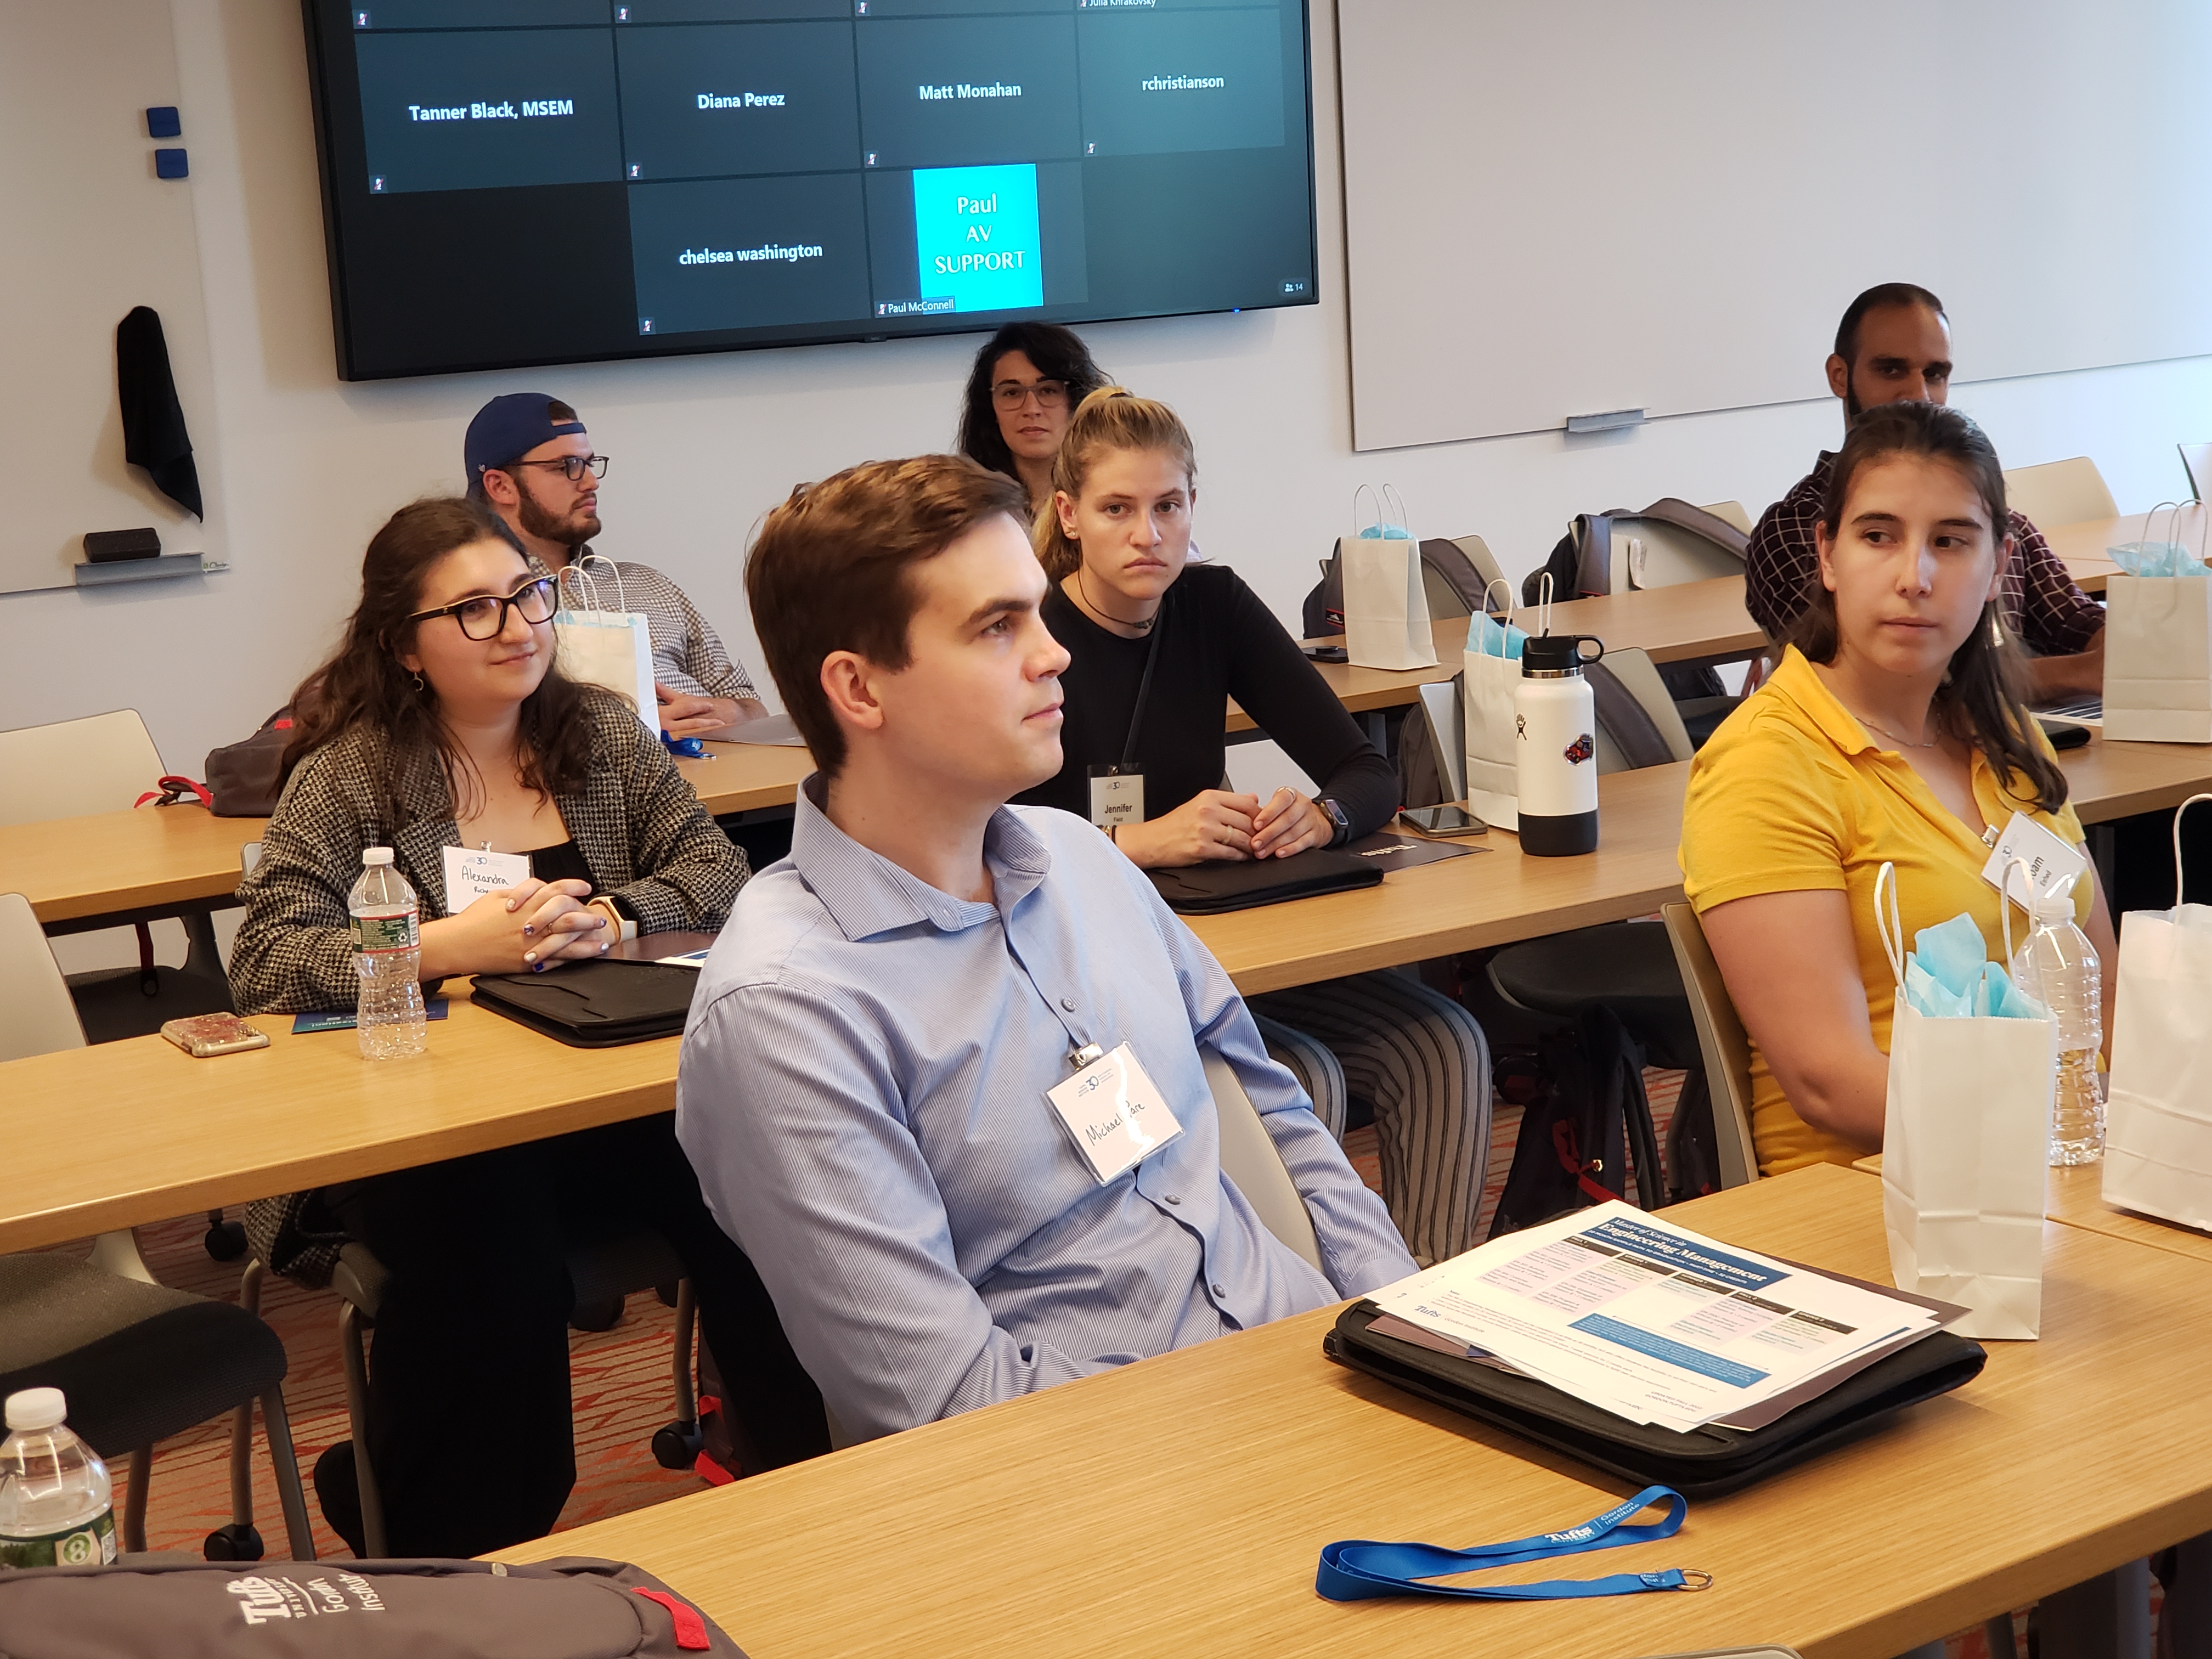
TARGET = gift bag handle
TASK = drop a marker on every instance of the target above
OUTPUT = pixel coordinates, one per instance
(2006, 901)
(2177, 811)
(1892, 930)
(1387, 499)
(577, 573)
(1543, 605)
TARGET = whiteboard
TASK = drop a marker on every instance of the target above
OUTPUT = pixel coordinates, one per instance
(89, 232)
(1557, 211)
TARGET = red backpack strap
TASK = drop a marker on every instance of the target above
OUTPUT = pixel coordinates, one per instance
(171, 790)
(690, 1628)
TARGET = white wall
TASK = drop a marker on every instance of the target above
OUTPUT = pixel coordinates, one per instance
(703, 446)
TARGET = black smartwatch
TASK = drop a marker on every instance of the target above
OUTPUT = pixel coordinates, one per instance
(1336, 816)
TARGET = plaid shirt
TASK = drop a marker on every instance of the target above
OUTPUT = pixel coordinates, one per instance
(2043, 608)
(687, 653)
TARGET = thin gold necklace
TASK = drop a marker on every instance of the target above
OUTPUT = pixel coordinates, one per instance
(1893, 736)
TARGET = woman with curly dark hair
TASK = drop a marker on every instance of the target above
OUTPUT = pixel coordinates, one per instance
(443, 719)
(1027, 380)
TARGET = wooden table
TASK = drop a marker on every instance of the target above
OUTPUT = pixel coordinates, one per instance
(1493, 897)
(131, 1132)
(116, 866)
(1177, 1506)
(2074, 1197)
(2082, 546)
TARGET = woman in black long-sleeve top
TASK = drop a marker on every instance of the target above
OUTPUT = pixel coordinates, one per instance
(1116, 540)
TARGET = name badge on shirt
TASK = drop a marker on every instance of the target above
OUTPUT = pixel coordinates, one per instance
(2050, 859)
(469, 876)
(1114, 1113)
(1117, 795)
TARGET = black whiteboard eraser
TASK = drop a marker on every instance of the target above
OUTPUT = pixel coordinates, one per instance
(106, 546)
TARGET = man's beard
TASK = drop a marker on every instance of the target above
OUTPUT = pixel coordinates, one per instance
(570, 530)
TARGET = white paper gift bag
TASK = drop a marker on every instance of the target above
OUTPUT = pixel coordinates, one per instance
(2158, 641)
(606, 646)
(2158, 1117)
(2158, 658)
(1386, 603)
(1964, 1147)
(1490, 675)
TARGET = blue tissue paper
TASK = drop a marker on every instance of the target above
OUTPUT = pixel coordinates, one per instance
(1949, 976)
(1488, 637)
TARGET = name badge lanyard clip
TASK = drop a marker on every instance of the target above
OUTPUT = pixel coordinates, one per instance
(1358, 1570)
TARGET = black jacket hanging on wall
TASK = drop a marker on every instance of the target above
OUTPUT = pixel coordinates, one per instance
(153, 436)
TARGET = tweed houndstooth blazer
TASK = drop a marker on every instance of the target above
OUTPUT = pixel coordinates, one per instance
(644, 835)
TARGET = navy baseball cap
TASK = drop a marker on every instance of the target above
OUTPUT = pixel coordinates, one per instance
(508, 427)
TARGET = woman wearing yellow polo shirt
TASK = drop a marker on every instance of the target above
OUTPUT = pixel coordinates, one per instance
(1893, 731)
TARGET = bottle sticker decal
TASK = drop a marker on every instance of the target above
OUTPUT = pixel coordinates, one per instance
(1581, 750)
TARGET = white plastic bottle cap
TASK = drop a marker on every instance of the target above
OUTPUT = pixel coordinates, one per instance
(375, 855)
(2054, 906)
(36, 1408)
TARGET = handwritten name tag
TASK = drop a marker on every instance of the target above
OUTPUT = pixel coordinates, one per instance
(2050, 859)
(469, 876)
(1114, 1113)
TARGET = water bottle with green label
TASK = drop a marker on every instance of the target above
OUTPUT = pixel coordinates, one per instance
(55, 1506)
(388, 943)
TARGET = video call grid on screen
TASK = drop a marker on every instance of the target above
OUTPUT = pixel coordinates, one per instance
(777, 171)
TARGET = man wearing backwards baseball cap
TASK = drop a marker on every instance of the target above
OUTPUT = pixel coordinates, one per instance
(528, 457)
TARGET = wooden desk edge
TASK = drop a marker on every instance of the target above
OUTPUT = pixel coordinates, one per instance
(235, 1185)
(1364, 956)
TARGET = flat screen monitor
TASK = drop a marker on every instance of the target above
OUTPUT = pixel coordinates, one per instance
(512, 182)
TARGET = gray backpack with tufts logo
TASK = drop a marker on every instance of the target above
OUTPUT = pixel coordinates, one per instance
(573, 1608)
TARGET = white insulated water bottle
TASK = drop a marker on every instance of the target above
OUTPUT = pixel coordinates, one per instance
(1556, 724)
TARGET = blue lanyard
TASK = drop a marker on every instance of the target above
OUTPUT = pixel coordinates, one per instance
(1355, 1569)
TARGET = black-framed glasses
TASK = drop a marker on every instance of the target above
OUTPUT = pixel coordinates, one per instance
(485, 616)
(1012, 394)
(574, 466)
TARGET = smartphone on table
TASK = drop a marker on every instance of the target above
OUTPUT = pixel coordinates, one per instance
(1443, 820)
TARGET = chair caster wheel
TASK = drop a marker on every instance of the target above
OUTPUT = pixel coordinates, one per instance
(226, 1241)
(678, 1445)
(235, 1542)
(596, 1315)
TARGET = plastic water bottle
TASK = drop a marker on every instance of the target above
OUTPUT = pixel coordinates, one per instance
(56, 1509)
(387, 942)
(2058, 967)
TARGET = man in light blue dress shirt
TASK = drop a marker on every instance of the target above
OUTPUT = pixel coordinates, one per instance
(864, 1082)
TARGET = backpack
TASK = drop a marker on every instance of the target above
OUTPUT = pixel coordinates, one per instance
(245, 778)
(1588, 1118)
(573, 1608)
(1683, 544)
(1675, 541)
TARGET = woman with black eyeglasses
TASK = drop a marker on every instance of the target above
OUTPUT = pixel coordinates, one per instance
(443, 719)
(1024, 386)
